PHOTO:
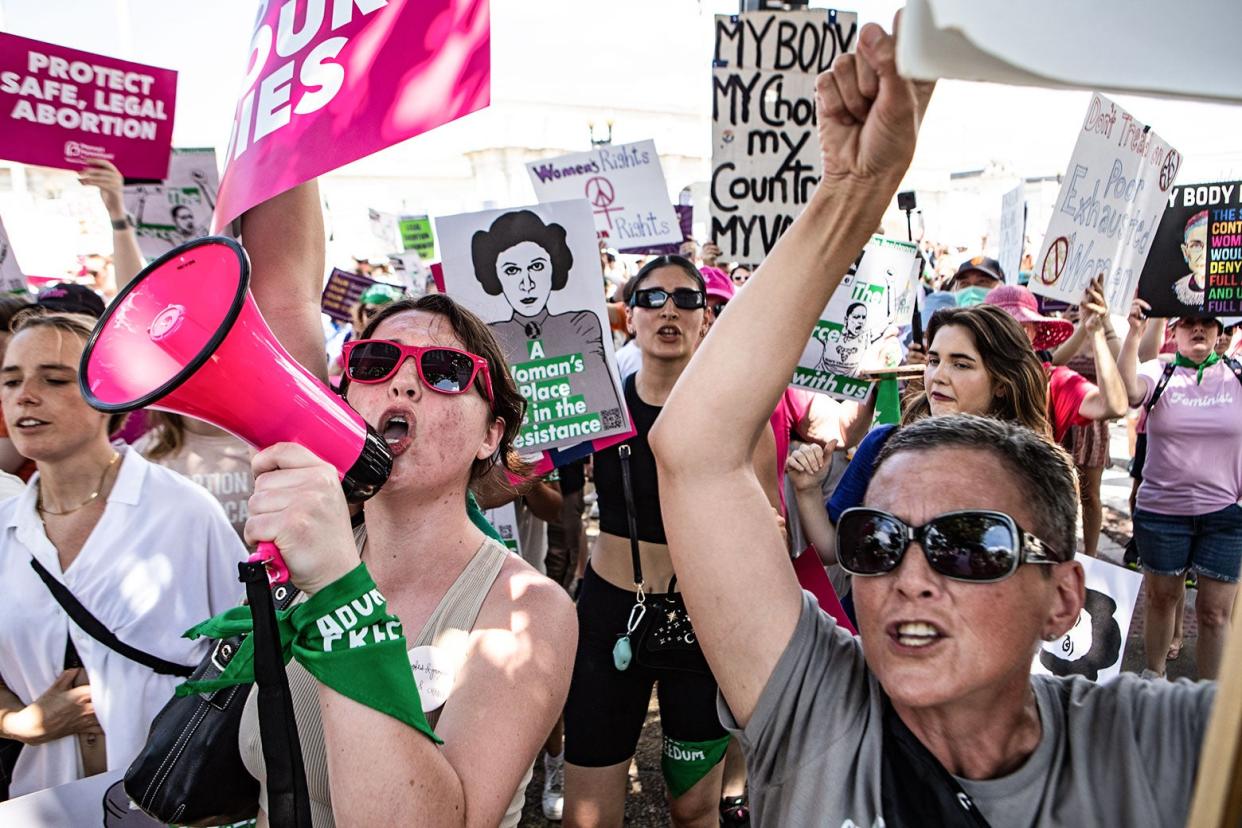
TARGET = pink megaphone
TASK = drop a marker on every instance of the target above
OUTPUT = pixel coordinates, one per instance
(186, 336)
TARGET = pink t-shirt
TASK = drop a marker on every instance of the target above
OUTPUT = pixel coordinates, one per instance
(1194, 442)
(1066, 391)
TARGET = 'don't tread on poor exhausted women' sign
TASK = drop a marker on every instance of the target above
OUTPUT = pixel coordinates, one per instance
(330, 81)
(62, 107)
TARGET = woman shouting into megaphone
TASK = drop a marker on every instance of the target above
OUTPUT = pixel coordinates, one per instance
(490, 642)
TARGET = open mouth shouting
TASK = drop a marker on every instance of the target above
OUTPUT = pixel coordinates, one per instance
(396, 429)
(911, 636)
(668, 333)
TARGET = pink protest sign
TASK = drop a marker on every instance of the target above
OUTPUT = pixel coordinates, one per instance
(60, 108)
(329, 83)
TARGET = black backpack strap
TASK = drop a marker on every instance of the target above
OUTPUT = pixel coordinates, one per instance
(96, 630)
(1164, 380)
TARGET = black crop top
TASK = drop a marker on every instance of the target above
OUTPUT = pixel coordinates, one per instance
(612, 517)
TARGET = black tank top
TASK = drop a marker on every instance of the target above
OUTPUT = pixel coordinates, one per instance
(642, 472)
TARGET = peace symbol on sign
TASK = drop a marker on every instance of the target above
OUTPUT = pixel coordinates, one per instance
(1168, 171)
(1054, 261)
(599, 191)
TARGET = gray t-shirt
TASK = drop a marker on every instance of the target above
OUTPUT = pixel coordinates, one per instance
(1120, 753)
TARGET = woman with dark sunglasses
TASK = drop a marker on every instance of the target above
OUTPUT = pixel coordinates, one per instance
(608, 695)
(931, 715)
(490, 641)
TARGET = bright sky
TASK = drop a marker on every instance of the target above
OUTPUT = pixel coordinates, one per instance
(610, 56)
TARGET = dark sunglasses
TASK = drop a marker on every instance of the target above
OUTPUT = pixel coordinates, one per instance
(683, 298)
(446, 370)
(972, 545)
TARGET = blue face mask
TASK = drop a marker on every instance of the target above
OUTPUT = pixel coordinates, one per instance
(968, 296)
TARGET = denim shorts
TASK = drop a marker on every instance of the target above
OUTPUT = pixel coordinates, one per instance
(1209, 544)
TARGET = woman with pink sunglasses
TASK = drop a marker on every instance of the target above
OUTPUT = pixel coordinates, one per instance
(490, 641)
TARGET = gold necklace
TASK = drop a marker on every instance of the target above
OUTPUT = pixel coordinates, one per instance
(95, 494)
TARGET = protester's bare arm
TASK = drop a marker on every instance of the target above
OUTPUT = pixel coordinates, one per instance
(1153, 338)
(504, 703)
(1109, 399)
(730, 558)
(62, 710)
(807, 467)
(127, 258)
(1128, 360)
(544, 501)
(285, 239)
(1069, 349)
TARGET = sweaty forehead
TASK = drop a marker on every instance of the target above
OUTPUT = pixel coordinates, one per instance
(418, 327)
(918, 485)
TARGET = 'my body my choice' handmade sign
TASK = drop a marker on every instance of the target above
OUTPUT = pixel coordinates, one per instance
(61, 107)
(765, 155)
(1195, 264)
(533, 275)
(331, 81)
(878, 292)
(625, 187)
(1104, 219)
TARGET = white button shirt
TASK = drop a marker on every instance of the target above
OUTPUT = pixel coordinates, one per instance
(162, 558)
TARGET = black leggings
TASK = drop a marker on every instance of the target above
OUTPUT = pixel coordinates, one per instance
(606, 707)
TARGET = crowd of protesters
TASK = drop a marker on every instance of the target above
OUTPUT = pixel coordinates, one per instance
(841, 586)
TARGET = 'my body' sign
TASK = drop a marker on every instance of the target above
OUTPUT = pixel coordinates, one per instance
(765, 155)
(331, 81)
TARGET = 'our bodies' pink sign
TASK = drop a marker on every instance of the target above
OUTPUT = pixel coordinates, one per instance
(60, 107)
(331, 81)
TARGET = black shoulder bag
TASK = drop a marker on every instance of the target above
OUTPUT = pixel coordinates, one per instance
(190, 771)
(667, 640)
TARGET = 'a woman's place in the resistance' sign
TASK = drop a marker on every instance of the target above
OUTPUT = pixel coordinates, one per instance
(533, 274)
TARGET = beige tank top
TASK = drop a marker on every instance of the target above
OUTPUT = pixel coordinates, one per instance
(437, 652)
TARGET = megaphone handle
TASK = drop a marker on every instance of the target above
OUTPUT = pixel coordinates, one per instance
(268, 554)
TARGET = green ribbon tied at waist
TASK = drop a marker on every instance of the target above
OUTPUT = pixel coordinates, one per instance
(343, 635)
(1183, 362)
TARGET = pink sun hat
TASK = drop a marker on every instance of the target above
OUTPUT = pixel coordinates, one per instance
(1020, 303)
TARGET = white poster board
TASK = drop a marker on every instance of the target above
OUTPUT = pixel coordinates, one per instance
(12, 280)
(1115, 190)
(533, 274)
(625, 187)
(177, 209)
(1012, 232)
(504, 518)
(1095, 645)
(765, 151)
(98, 800)
(386, 231)
(876, 294)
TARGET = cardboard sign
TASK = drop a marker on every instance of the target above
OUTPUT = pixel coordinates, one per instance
(1094, 646)
(1104, 219)
(327, 84)
(504, 518)
(417, 235)
(1012, 233)
(1195, 264)
(98, 800)
(12, 280)
(878, 292)
(765, 151)
(685, 222)
(533, 274)
(625, 187)
(60, 107)
(178, 209)
(341, 293)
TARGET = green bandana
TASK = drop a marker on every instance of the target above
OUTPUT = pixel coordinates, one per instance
(1182, 362)
(344, 637)
(683, 764)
